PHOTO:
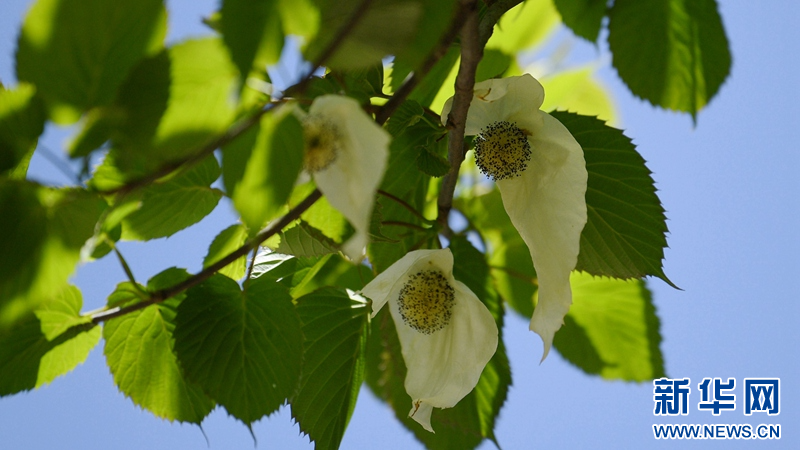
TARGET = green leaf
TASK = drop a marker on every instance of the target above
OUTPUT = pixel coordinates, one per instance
(612, 329)
(227, 241)
(172, 104)
(244, 348)
(672, 53)
(126, 293)
(524, 26)
(415, 27)
(335, 327)
(409, 113)
(304, 240)
(579, 90)
(321, 215)
(45, 344)
(139, 353)
(434, 21)
(78, 52)
(584, 17)
(493, 64)
(438, 79)
(252, 32)
(430, 163)
(174, 205)
(261, 167)
(22, 118)
(625, 234)
(42, 232)
(472, 420)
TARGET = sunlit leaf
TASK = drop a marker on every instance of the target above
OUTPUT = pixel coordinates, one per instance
(226, 242)
(22, 118)
(261, 167)
(78, 52)
(334, 325)
(139, 353)
(579, 90)
(46, 343)
(173, 103)
(174, 205)
(524, 26)
(42, 232)
(252, 32)
(243, 347)
(612, 329)
(304, 240)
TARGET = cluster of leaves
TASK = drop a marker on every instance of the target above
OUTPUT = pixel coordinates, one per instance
(171, 121)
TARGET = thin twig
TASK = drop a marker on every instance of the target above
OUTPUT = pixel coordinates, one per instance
(399, 223)
(252, 264)
(196, 279)
(127, 269)
(471, 54)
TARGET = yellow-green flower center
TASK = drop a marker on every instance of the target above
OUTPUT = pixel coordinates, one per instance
(426, 301)
(502, 150)
(322, 142)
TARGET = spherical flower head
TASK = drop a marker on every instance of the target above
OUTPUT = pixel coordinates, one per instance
(541, 173)
(346, 154)
(447, 335)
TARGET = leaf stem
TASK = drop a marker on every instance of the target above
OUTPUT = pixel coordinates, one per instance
(194, 280)
(126, 268)
(404, 204)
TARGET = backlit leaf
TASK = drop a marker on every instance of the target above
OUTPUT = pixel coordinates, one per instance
(78, 52)
(226, 242)
(46, 343)
(335, 328)
(22, 118)
(672, 53)
(139, 353)
(243, 347)
(612, 329)
(173, 205)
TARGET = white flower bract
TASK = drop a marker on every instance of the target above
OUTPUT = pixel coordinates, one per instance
(447, 335)
(545, 196)
(346, 154)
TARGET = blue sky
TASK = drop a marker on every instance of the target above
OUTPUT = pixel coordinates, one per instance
(729, 186)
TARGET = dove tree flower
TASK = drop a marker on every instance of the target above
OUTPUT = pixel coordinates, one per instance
(539, 168)
(447, 335)
(345, 153)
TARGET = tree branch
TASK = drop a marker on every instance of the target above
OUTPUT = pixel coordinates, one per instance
(194, 280)
(471, 54)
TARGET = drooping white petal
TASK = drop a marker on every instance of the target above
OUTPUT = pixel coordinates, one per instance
(496, 99)
(547, 205)
(349, 183)
(445, 365)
